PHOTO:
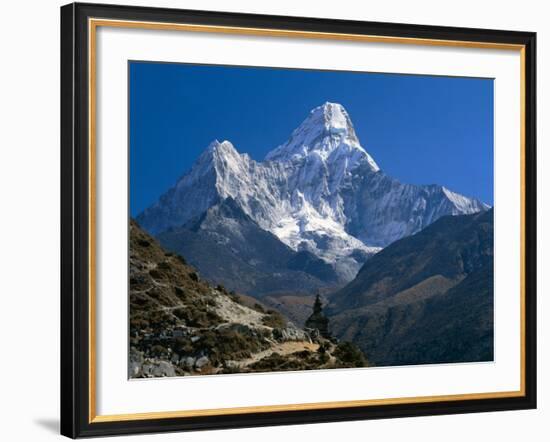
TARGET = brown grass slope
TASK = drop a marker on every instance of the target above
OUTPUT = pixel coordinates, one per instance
(427, 298)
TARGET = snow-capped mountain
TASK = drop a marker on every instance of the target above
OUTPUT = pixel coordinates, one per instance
(320, 191)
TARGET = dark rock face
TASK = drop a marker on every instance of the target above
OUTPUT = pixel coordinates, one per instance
(228, 247)
(425, 299)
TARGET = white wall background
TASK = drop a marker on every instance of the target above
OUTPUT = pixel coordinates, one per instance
(29, 220)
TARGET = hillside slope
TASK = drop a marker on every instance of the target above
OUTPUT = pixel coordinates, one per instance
(424, 299)
(180, 325)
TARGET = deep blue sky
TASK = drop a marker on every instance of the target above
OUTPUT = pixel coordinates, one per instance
(419, 129)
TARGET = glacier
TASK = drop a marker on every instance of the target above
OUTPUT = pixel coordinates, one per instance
(319, 192)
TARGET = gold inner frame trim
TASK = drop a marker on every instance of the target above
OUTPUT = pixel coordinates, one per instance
(298, 407)
(93, 24)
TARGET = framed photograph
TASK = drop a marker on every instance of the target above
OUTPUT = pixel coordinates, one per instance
(277, 220)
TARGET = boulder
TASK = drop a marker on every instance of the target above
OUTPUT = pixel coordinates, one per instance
(156, 368)
(187, 362)
(290, 334)
(201, 362)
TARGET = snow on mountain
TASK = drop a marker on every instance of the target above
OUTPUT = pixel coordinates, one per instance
(320, 191)
(461, 203)
(329, 134)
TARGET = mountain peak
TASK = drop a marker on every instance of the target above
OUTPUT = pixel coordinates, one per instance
(225, 147)
(218, 155)
(328, 133)
(333, 117)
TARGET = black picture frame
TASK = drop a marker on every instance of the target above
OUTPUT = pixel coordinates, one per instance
(75, 219)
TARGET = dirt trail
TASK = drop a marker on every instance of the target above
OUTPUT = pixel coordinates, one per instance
(283, 348)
